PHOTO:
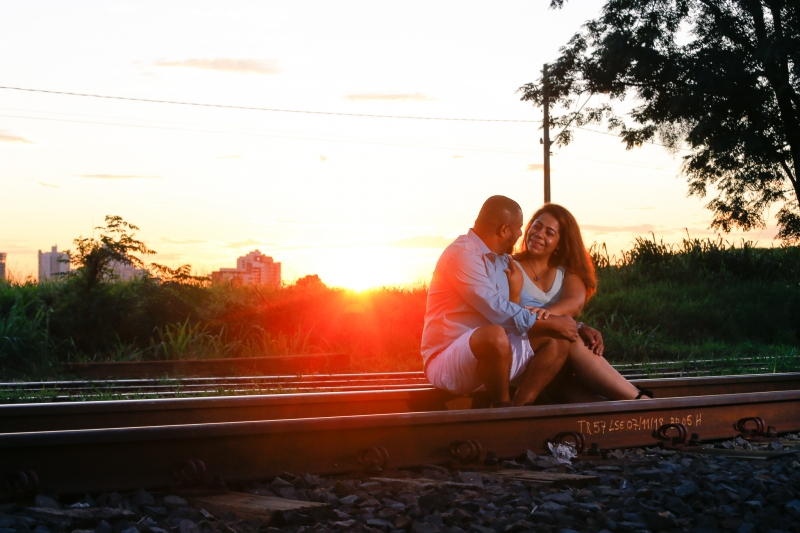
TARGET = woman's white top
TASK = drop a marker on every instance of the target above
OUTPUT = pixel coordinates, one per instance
(547, 298)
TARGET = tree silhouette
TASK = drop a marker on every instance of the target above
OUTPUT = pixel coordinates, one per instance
(719, 77)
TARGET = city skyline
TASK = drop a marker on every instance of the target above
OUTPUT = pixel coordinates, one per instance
(206, 184)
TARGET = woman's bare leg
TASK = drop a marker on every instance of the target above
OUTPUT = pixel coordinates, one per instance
(549, 356)
(566, 388)
(598, 375)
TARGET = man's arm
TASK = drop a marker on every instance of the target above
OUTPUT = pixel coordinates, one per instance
(467, 274)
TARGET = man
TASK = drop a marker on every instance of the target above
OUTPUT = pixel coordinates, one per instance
(474, 334)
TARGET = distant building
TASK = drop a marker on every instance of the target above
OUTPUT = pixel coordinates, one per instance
(123, 272)
(53, 264)
(2, 266)
(254, 268)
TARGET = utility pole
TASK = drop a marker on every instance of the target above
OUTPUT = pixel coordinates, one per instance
(546, 136)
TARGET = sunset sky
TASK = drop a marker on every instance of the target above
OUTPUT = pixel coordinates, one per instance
(359, 201)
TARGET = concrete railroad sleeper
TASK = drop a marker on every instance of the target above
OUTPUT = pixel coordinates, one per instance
(80, 461)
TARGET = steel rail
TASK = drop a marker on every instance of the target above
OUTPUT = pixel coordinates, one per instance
(276, 364)
(16, 418)
(317, 381)
(151, 457)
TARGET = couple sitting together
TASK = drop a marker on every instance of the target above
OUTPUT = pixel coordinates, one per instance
(496, 321)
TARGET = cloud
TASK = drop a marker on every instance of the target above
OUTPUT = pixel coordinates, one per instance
(222, 64)
(458, 157)
(229, 157)
(535, 166)
(116, 177)
(422, 241)
(638, 208)
(323, 158)
(642, 228)
(419, 97)
(43, 184)
(185, 241)
(6, 137)
(242, 244)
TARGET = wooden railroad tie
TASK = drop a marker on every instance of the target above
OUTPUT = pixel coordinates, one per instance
(255, 507)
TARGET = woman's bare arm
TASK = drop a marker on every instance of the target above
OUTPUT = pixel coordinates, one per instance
(573, 296)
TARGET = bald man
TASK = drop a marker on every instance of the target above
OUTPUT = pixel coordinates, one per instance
(475, 337)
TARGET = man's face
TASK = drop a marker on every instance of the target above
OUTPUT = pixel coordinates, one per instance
(512, 232)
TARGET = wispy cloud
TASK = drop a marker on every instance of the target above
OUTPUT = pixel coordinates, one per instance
(641, 228)
(6, 137)
(117, 177)
(43, 184)
(184, 241)
(242, 244)
(226, 64)
(422, 241)
(458, 157)
(402, 97)
(535, 166)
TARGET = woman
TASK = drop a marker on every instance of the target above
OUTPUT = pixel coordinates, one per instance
(559, 273)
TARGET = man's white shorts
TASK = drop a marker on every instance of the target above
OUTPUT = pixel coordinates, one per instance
(456, 369)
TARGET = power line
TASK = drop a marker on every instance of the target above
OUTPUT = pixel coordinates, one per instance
(270, 109)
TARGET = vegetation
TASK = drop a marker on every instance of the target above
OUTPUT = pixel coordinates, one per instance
(701, 300)
(721, 77)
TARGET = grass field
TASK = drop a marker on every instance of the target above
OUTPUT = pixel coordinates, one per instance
(701, 300)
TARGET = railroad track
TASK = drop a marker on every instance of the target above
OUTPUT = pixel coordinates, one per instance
(68, 390)
(92, 446)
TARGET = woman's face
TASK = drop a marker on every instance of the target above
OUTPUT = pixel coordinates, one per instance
(543, 236)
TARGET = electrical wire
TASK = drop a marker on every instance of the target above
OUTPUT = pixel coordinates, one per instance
(270, 109)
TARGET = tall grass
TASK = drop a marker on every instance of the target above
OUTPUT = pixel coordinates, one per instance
(698, 299)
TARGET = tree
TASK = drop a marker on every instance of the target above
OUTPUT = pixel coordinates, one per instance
(719, 77)
(94, 258)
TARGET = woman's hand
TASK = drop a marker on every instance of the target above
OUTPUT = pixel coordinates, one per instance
(515, 280)
(592, 338)
(540, 312)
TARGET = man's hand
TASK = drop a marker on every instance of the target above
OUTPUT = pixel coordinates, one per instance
(557, 326)
(592, 338)
(540, 312)
(515, 280)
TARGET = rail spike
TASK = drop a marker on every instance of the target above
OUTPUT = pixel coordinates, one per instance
(375, 460)
(22, 483)
(191, 472)
(677, 440)
(757, 431)
(466, 451)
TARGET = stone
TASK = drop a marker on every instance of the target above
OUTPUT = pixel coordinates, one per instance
(793, 509)
(76, 518)
(344, 488)
(650, 474)
(345, 524)
(686, 489)
(378, 523)
(370, 486)
(559, 497)
(187, 526)
(402, 522)
(475, 528)
(775, 447)
(287, 492)
(142, 497)
(155, 511)
(349, 500)
(422, 527)
(132, 529)
(103, 527)
(471, 478)
(292, 518)
(172, 501)
(46, 502)
(660, 520)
